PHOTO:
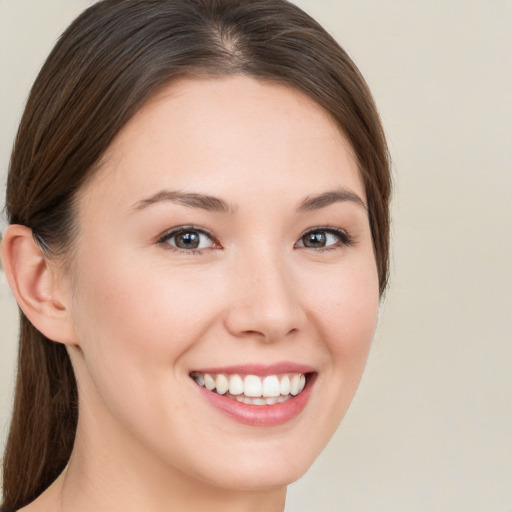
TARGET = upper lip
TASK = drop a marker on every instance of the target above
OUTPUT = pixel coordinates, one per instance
(259, 369)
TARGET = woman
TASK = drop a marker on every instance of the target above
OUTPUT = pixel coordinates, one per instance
(198, 205)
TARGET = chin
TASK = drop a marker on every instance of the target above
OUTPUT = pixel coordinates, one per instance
(260, 477)
(270, 465)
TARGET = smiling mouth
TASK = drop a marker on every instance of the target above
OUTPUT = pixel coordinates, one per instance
(253, 389)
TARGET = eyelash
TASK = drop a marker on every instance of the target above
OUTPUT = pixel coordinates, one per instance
(165, 237)
(345, 240)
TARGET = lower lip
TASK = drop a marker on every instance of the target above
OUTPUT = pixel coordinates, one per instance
(260, 415)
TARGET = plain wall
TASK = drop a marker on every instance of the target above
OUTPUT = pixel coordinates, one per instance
(430, 429)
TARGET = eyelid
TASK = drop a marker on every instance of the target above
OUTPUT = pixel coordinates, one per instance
(169, 233)
(345, 238)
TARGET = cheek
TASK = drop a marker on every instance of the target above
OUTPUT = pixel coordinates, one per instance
(135, 325)
(346, 307)
(141, 313)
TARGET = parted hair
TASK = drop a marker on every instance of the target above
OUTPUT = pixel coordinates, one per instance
(105, 66)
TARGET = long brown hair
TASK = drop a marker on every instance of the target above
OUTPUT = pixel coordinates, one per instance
(105, 66)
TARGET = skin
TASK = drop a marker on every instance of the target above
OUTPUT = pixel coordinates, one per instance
(142, 315)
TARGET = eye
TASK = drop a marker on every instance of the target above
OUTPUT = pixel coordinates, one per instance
(324, 238)
(188, 239)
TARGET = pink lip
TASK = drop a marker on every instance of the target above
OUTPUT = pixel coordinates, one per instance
(260, 369)
(259, 415)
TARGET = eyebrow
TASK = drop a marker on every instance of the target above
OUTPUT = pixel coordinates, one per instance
(215, 204)
(325, 199)
(202, 201)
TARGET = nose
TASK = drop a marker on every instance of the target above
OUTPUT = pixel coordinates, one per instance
(264, 300)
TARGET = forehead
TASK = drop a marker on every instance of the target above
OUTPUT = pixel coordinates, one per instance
(207, 134)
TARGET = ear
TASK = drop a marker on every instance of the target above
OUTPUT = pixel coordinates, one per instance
(40, 292)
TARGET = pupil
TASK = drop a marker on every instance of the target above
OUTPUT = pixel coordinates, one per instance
(187, 240)
(314, 240)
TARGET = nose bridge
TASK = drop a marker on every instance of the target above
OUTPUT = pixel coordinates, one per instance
(265, 299)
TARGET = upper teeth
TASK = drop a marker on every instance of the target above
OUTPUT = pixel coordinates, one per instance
(252, 386)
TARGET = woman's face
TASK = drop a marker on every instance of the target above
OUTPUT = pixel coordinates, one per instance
(225, 241)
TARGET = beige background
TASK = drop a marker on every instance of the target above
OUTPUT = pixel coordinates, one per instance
(431, 427)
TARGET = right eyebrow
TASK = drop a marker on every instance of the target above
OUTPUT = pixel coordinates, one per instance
(192, 200)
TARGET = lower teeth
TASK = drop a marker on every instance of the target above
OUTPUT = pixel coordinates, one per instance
(259, 401)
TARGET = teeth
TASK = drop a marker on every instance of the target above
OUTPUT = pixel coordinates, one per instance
(252, 386)
(285, 385)
(199, 379)
(253, 389)
(221, 384)
(209, 382)
(260, 401)
(271, 386)
(236, 385)
(302, 383)
(297, 384)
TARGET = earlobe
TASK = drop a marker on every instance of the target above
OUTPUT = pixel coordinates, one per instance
(35, 285)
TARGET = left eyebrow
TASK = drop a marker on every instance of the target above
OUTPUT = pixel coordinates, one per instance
(327, 198)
